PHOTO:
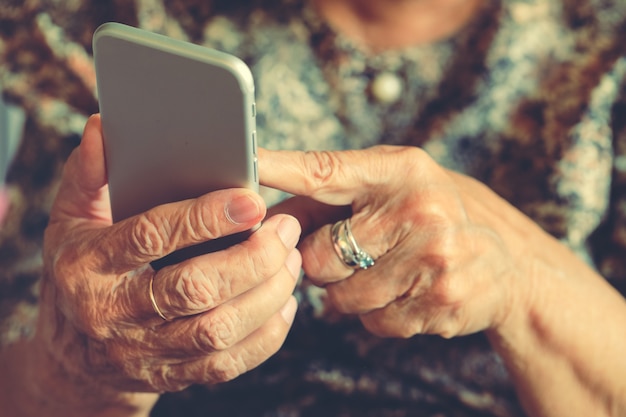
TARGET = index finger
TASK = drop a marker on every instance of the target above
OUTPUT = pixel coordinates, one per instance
(331, 177)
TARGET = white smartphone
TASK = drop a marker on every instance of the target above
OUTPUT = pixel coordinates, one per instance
(178, 121)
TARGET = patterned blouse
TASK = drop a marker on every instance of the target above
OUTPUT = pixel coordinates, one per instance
(530, 98)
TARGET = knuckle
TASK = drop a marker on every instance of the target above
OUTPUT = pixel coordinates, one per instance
(321, 167)
(202, 222)
(441, 250)
(448, 291)
(163, 379)
(447, 287)
(408, 331)
(432, 215)
(264, 259)
(446, 324)
(218, 332)
(148, 239)
(414, 159)
(194, 290)
(224, 368)
(449, 331)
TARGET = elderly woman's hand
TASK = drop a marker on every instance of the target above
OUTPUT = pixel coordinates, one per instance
(452, 258)
(442, 264)
(226, 312)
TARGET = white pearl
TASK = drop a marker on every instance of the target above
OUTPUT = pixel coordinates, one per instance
(387, 87)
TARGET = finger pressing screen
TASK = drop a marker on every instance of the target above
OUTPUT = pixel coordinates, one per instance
(337, 177)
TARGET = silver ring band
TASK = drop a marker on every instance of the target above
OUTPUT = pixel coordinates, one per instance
(155, 306)
(346, 247)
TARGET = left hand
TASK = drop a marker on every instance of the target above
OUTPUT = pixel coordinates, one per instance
(446, 247)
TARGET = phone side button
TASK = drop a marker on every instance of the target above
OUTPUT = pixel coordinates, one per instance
(254, 141)
(253, 110)
(256, 179)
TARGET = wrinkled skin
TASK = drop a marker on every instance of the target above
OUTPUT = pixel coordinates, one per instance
(454, 258)
(439, 269)
(227, 311)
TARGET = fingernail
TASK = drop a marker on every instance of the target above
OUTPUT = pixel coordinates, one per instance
(242, 209)
(289, 310)
(289, 231)
(294, 263)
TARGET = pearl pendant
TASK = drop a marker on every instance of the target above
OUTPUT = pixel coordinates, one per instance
(386, 87)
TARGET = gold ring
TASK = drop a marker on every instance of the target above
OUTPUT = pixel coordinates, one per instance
(155, 306)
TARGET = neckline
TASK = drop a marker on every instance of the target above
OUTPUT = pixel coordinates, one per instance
(328, 36)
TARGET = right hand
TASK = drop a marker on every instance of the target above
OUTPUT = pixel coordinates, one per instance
(229, 310)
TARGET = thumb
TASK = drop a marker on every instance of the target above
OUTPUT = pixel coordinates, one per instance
(84, 191)
(91, 165)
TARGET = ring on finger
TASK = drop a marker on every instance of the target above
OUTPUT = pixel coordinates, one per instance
(155, 306)
(350, 253)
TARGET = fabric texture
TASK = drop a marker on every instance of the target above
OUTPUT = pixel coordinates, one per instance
(529, 98)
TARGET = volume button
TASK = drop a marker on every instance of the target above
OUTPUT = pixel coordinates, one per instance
(254, 141)
(254, 110)
(256, 168)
